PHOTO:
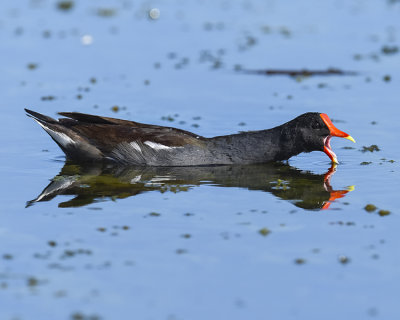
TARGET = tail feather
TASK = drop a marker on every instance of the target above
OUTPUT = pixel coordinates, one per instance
(39, 116)
(72, 143)
(83, 117)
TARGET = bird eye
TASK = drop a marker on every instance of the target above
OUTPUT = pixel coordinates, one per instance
(316, 125)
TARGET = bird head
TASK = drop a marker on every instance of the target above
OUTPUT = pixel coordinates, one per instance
(317, 131)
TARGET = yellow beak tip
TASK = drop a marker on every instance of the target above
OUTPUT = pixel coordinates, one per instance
(350, 138)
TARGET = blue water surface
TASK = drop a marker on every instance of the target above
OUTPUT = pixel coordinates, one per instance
(209, 246)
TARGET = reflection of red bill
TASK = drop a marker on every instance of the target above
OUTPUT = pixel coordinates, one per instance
(334, 132)
(334, 194)
(337, 194)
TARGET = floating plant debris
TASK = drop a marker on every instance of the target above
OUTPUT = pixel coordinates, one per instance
(65, 5)
(371, 148)
(106, 12)
(154, 214)
(390, 50)
(344, 259)
(299, 261)
(383, 213)
(370, 208)
(264, 231)
(32, 66)
(299, 73)
(387, 78)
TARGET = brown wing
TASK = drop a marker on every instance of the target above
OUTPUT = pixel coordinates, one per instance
(84, 136)
(93, 119)
(88, 120)
(106, 137)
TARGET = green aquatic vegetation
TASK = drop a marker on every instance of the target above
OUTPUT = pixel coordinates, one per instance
(52, 243)
(154, 214)
(388, 50)
(32, 66)
(281, 184)
(342, 223)
(72, 253)
(48, 98)
(106, 12)
(344, 259)
(383, 213)
(390, 161)
(387, 78)
(168, 118)
(370, 208)
(82, 316)
(188, 214)
(365, 163)
(371, 148)
(32, 282)
(264, 231)
(299, 261)
(65, 5)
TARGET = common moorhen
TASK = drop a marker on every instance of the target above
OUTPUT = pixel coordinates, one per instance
(85, 137)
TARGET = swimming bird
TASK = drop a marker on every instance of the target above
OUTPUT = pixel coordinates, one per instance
(91, 138)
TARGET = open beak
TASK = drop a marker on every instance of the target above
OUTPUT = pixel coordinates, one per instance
(334, 132)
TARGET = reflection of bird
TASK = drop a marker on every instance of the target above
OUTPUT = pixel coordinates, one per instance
(96, 182)
(85, 137)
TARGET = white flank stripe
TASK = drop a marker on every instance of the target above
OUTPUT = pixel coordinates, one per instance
(136, 179)
(60, 137)
(157, 146)
(135, 146)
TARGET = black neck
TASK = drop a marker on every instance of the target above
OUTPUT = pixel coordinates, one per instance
(274, 144)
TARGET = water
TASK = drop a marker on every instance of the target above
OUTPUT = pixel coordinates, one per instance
(287, 241)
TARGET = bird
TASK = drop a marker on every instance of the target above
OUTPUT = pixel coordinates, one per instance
(91, 138)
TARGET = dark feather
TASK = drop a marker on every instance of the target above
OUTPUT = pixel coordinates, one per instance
(97, 137)
(85, 137)
(40, 117)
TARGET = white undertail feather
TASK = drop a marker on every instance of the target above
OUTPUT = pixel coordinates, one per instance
(135, 146)
(60, 137)
(157, 146)
(136, 179)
